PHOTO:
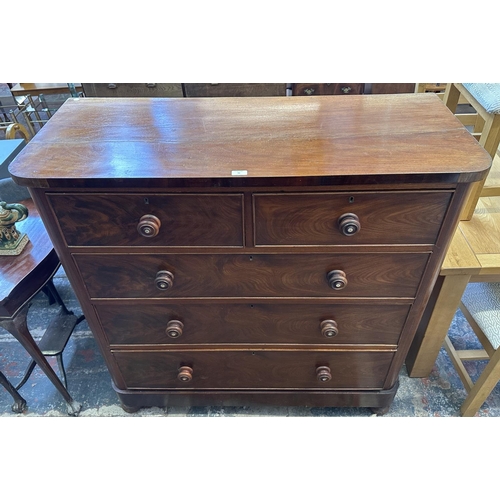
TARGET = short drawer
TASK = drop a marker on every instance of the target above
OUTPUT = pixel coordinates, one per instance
(349, 219)
(150, 220)
(312, 89)
(270, 275)
(252, 369)
(255, 322)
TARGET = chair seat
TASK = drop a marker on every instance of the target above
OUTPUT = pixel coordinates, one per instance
(486, 94)
(483, 302)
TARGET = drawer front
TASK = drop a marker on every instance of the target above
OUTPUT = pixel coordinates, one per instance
(253, 369)
(312, 89)
(323, 219)
(179, 220)
(219, 275)
(133, 89)
(252, 323)
(234, 89)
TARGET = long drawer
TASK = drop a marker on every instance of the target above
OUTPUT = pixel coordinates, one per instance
(327, 218)
(257, 322)
(269, 275)
(252, 369)
(150, 220)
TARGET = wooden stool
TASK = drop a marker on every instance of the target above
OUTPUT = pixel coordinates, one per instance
(485, 99)
(481, 307)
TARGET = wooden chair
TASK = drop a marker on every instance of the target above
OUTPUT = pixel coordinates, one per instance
(481, 307)
(485, 124)
(13, 128)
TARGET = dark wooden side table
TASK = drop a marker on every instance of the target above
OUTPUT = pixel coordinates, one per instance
(21, 278)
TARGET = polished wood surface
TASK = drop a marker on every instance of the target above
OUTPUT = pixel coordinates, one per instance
(214, 220)
(264, 137)
(258, 322)
(253, 369)
(260, 275)
(307, 321)
(384, 218)
(36, 263)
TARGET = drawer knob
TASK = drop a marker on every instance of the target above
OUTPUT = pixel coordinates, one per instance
(346, 90)
(349, 224)
(329, 328)
(112, 86)
(151, 85)
(337, 279)
(174, 329)
(323, 374)
(164, 280)
(149, 226)
(185, 374)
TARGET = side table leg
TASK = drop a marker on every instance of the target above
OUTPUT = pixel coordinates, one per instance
(19, 402)
(19, 329)
(430, 336)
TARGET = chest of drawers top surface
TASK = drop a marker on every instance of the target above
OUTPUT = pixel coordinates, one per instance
(327, 136)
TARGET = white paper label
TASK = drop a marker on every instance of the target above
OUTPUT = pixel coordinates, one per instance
(239, 172)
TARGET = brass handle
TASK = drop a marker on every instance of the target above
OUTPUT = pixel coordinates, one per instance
(164, 280)
(323, 374)
(150, 85)
(174, 329)
(185, 374)
(349, 224)
(346, 90)
(149, 226)
(337, 279)
(112, 86)
(329, 328)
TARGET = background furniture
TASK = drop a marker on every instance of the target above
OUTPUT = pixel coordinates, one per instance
(473, 255)
(351, 88)
(485, 123)
(481, 307)
(21, 278)
(248, 264)
(133, 89)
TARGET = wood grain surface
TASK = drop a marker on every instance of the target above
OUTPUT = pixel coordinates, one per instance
(253, 369)
(101, 138)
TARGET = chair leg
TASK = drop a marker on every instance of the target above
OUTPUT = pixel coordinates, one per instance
(451, 97)
(27, 374)
(483, 387)
(62, 372)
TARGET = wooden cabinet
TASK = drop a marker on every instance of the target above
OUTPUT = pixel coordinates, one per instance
(235, 252)
(312, 89)
(132, 89)
(234, 89)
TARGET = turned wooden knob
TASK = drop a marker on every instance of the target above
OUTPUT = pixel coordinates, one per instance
(185, 374)
(164, 280)
(323, 374)
(174, 329)
(349, 224)
(337, 279)
(149, 226)
(329, 328)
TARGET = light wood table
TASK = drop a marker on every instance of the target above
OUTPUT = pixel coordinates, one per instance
(21, 89)
(473, 255)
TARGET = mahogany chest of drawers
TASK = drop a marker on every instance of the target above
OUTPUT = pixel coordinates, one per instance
(237, 251)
